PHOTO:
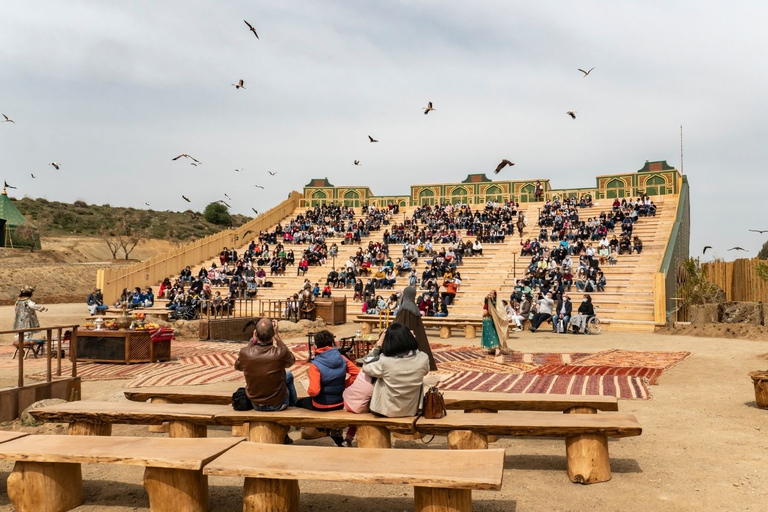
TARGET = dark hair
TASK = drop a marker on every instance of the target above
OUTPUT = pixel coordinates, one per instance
(398, 340)
(323, 339)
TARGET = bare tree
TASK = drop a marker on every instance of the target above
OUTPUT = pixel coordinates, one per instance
(128, 238)
(112, 242)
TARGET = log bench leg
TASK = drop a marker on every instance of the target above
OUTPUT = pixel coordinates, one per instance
(371, 436)
(470, 332)
(433, 499)
(83, 428)
(270, 495)
(179, 428)
(164, 428)
(267, 433)
(45, 486)
(172, 490)
(445, 332)
(491, 438)
(587, 458)
(407, 437)
(467, 440)
(240, 430)
(365, 328)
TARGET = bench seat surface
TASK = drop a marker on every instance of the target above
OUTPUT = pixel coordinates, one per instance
(190, 454)
(296, 417)
(180, 396)
(463, 400)
(519, 423)
(128, 412)
(6, 436)
(457, 469)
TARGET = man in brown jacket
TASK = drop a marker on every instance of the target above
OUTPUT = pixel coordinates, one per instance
(268, 385)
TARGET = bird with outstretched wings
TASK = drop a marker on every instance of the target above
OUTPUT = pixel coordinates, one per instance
(56, 165)
(586, 73)
(502, 165)
(254, 211)
(372, 139)
(572, 113)
(6, 185)
(250, 27)
(761, 231)
(705, 249)
(428, 108)
(184, 155)
(357, 162)
(240, 84)
(8, 119)
(737, 248)
(186, 198)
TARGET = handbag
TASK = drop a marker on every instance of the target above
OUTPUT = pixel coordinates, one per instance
(434, 404)
(240, 401)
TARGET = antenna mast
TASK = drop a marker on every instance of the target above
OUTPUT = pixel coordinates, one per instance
(681, 149)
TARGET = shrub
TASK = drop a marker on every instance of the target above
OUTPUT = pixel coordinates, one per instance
(216, 213)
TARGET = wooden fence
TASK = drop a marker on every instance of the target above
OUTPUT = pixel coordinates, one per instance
(738, 279)
(154, 270)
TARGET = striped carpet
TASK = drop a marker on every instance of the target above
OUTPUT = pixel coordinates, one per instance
(652, 374)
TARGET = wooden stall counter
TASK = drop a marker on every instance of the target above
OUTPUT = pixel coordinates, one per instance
(121, 346)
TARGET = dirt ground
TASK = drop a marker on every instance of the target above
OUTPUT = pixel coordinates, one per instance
(65, 269)
(702, 449)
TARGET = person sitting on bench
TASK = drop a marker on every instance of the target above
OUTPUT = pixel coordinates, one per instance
(95, 302)
(328, 378)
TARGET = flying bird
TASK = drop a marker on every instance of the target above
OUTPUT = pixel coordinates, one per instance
(238, 170)
(186, 198)
(225, 195)
(502, 165)
(372, 139)
(428, 108)
(32, 174)
(252, 29)
(761, 231)
(271, 173)
(737, 248)
(357, 162)
(705, 249)
(254, 211)
(184, 155)
(146, 203)
(259, 186)
(572, 113)
(6, 185)
(224, 203)
(194, 163)
(586, 72)
(240, 84)
(56, 165)
(8, 119)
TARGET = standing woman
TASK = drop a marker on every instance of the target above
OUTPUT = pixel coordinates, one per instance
(26, 310)
(495, 325)
(409, 315)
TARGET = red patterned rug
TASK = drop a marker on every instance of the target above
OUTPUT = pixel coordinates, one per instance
(625, 387)
(631, 358)
(652, 374)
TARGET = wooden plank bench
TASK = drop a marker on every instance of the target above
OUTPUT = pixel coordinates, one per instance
(445, 324)
(586, 435)
(443, 481)
(454, 400)
(6, 436)
(271, 427)
(95, 418)
(47, 474)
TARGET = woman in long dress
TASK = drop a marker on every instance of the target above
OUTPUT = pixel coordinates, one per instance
(409, 315)
(26, 311)
(495, 325)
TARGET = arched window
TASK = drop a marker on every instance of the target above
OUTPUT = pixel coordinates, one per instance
(427, 196)
(494, 193)
(319, 198)
(528, 193)
(459, 195)
(656, 186)
(351, 198)
(615, 188)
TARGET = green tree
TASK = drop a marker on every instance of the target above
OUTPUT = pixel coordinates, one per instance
(763, 254)
(216, 213)
(696, 289)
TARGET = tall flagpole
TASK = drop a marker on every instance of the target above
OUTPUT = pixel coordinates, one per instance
(681, 149)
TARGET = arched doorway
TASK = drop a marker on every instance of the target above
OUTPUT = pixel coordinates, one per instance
(318, 198)
(528, 193)
(494, 193)
(352, 198)
(427, 196)
(459, 195)
(656, 186)
(615, 188)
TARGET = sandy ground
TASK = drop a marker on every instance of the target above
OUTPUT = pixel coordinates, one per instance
(703, 445)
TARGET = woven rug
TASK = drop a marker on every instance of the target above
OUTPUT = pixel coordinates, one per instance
(538, 358)
(458, 354)
(625, 387)
(485, 366)
(652, 374)
(630, 358)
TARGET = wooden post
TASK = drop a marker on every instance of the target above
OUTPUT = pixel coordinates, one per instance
(269, 433)
(270, 495)
(20, 339)
(491, 438)
(433, 499)
(178, 428)
(44, 486)
(587, 458)
(372, 436)
(467, 440)
(172, 490)
(159, 429)
(470, 332)
(240, 430)
(445, 332)
(760, 380)
(407, 437)
(83, 428)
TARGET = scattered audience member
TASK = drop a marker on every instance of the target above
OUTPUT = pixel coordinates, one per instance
(95, 302)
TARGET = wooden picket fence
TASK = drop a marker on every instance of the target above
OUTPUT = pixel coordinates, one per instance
(738, 279)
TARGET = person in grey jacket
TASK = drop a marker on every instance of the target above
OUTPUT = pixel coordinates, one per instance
(544, 313)
(399, 374)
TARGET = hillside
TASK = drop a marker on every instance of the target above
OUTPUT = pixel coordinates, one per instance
(54, 218)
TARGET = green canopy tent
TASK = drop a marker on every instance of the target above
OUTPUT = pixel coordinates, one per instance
(17, 231)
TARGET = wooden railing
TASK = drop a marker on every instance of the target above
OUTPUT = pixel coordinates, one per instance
(112, 281)
(240, 308)
(21, 338)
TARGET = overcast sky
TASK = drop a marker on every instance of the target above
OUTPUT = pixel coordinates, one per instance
(112, 90)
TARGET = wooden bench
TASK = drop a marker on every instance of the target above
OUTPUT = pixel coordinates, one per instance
(6, 436)
(33, 347)
(95, 418)
(586, 435)
(47, 475)
(271, 427)
(445, 324)
(443, 481)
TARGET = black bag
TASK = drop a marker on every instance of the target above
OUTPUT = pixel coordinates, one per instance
(240, 401)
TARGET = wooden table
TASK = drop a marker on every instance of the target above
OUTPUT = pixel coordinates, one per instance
(121, 346)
